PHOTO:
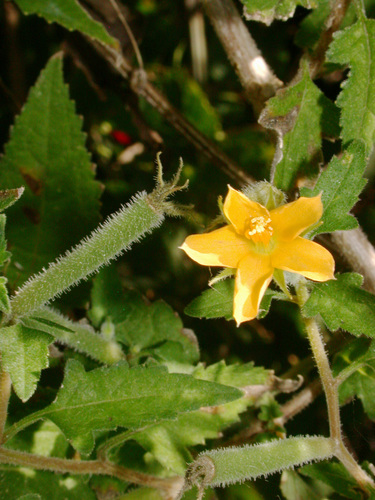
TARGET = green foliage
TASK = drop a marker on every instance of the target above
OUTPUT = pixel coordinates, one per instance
(69, 14)
(267, 11)
(340, 185)
(299, 114)
(354, 47)
(145, 329)
(132, 398)
(169, 443)
(342, 303)
(355, 365)
(217, 302)
(24, 355)
(46, 152)
(17, 483)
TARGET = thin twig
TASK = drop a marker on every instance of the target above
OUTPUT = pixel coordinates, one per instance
(256, 77)
(129, 32)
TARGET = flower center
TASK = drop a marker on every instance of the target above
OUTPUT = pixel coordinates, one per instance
(259, 230)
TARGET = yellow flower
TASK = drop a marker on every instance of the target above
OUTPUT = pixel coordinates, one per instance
(258, 241)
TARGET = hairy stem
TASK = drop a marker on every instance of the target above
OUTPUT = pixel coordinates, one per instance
(5, 387)
(62, 465)
(330, 387)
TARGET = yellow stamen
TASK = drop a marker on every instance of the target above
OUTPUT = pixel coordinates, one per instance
(258, 229)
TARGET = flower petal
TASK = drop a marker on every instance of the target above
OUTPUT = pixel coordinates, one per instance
(290, 220)
(222, 247)
(304, 257)
(253, 277)
(239, 209)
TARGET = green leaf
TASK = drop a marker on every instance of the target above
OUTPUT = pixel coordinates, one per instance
(355, 46)
(24, 354)
(267, 11)
(357, 359)
(69, 14)
(4, 298)
(336, 476)
(9, 197)
(169, 441)
(143, 494)
(342, 303)
(300, 114)
(17, 482)
(313, 25)
(78, 336)
(340, 184)
(47, 153)
(217, 302)
(106, 398)
(4, 254)
(295, 487)
(146, 329)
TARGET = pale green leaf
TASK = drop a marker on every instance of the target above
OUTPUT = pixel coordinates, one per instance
(295, 487)
(78, 336)
(267, 11)
(355, 47)
(342, 303)
(4, 254)
(17, 482)
(4, 298)
(300, 114)
(24, 354)
(69, 14)
(46, 152)
(9, 197)
(169, 441)
(106, 398)
(340, 185)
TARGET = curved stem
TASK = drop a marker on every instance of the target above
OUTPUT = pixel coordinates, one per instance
(62, 465)
(330, 386)
(5, 387)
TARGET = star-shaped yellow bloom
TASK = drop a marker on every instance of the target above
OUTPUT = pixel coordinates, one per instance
(258, 241)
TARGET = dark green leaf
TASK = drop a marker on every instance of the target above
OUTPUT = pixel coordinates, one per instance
(14, 483)
(24, 354)
(340, 185)
(4, 254)
(217, 302)
(106, 398)
(313, 25)
(299, 114)
(355, 47)
(47, 153)
(267, 11)
(342, 303)
(336, 476)
(359, 359)
(69, 14)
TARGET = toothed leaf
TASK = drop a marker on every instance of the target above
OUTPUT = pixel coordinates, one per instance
(69, 14)
(266, 11)
(300, 114)
(340, 185)
(355, 46)
(24, 354)
(46, 152)
(106, 398)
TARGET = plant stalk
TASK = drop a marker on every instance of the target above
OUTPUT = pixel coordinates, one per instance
(330, 387)
(5, 387)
